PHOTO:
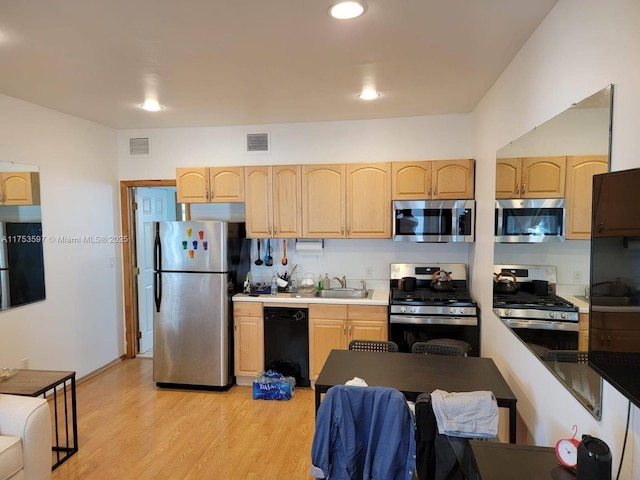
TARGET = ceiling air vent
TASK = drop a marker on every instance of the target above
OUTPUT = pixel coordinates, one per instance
(258, 143)
(139, 147)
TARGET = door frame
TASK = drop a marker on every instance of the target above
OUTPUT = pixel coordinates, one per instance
(128, 259)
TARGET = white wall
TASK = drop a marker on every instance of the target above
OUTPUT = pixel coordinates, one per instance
(582, 46)
(80, 324)
(412, 138)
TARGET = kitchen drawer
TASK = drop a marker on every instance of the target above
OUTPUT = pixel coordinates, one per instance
(370, 313)
(331, 312)
(247, 309)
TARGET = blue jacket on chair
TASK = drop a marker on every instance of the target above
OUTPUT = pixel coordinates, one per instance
(364, 433)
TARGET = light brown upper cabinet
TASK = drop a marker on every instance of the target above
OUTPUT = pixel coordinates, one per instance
(272, 200)
(346, 201)
(323, 201)
(368, 200)
(580, 172)
(19, 188)
(437, 179)
(530, 177)
(210, 184)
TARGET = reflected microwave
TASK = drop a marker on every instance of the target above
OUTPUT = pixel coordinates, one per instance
(530, 220)
(433, 220)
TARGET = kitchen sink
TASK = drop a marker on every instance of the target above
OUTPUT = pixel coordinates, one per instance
(344, 293)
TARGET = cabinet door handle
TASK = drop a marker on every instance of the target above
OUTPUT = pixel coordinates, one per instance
(435, 191)
(235, 326)
(344, 327)
(524, 188)
(429, 191)
(517, 189)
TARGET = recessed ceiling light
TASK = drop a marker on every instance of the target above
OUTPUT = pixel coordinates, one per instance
(346, 10)
(368, 94)
(151, 106)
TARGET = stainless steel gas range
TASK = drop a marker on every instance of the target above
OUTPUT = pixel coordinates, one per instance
(524, 298)
(431, 301)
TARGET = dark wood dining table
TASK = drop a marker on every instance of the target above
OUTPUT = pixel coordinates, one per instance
(414, 374)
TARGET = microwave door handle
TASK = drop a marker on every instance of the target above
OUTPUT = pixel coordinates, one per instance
(499, 221)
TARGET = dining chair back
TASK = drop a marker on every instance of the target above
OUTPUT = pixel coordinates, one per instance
(442, 346)
(373, 346)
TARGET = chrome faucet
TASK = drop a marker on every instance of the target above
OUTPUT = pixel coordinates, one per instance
(364, 285)
(342, 281)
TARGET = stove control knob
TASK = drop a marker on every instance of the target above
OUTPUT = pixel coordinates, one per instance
(452, 310)
(402, 309)
(507, 312)
(552, 314)
(414, 309)
(461, 311)
(564, 315)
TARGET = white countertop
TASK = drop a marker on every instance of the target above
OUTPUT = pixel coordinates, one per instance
(583, 307)
(380, 296)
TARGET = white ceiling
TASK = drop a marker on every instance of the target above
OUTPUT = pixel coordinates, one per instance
(239, 62)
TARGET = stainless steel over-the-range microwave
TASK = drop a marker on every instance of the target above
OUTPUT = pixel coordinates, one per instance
(433, 220)
(530, 220)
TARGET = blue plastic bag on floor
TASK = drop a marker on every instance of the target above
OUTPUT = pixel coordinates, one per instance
(272, 385)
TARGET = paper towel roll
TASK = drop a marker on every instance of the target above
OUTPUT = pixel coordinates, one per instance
(309, 245)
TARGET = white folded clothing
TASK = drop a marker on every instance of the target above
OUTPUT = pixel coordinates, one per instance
(466, 414)
(357, 382)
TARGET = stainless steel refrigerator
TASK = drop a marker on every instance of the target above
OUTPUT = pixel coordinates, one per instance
(198, 266)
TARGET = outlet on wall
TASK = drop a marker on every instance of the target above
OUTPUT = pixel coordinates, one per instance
(577, 276)
(24, 363)
(368, 273)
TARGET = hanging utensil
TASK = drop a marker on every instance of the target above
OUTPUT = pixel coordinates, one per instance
(284, 252)
(259, 260)
(268, 261)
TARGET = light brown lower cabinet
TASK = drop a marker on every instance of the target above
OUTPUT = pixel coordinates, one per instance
(583, 332)
(248, 346)
(334, 326)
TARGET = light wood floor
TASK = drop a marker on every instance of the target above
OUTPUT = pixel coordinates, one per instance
(130, 429)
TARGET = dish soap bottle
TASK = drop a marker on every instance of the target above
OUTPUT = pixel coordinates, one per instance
(274, 285)
(326, 283)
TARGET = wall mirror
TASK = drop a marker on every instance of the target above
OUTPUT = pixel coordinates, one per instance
(21, 257)
(571, 147)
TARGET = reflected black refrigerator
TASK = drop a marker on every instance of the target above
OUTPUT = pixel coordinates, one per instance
(21, 264)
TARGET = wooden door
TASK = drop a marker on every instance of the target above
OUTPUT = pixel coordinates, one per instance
(453, 179)
(248, 346)
(327, 330)
(227, 184)
(368, 197)
(508, 175)
(579, 187)
(192, 185)
(323, 201)
(287, 198)
(543, 177)
(258, 202)
(411, 180)
(18, 188)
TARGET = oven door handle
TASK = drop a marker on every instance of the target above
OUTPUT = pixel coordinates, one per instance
(541, 324)
(432, 320)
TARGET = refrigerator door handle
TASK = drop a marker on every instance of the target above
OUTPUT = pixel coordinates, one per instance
(157, 250)
(157, 289)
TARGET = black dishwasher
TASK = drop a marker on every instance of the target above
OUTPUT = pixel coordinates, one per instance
(286, 342)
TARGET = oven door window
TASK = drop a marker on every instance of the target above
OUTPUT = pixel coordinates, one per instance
(532, 221)
(424, 222)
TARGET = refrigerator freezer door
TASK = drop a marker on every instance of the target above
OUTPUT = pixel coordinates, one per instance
(191, 330)
(191, 246)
